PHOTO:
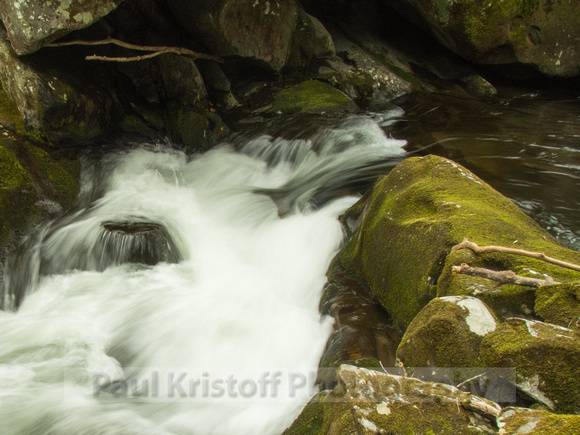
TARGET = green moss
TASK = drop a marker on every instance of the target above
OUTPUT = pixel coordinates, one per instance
(440, 337)
(483, 25)
(415, 215)
(311, 96)
(559, 304)
(517, 420)
(17, 196)
(65, 182)
(538, 351)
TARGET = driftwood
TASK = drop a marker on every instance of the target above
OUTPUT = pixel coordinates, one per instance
(156, 50)
(466, 244)
(502, 277)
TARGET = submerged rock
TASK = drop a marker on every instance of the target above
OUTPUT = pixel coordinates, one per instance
(545, 357)
(372, 402)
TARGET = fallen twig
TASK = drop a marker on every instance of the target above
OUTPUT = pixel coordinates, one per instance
(157, 50)
(502, 277)
(466, 244)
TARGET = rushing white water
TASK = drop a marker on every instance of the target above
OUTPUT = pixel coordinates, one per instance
(236, 310)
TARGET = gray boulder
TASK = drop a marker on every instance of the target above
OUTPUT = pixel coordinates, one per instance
(53, 108)
(33, 23)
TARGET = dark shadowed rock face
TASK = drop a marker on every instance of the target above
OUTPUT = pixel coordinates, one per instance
(542, 33)
(32, 23)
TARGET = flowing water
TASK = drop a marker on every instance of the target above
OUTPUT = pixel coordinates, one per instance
(182, 296)
(525, 144)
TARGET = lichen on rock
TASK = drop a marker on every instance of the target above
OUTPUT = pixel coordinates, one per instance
(373, 402)
(32, 23)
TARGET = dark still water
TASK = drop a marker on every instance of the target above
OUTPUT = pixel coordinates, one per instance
(526, 145)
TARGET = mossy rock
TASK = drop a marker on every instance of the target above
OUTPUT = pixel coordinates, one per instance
(540, 33)
(447, 333)
(18, 196)
(32, 185)
(412, 218)
(529, 421)
(312, 96)
(368, 401)
(546, 359)
(505, 300)
(559, 304)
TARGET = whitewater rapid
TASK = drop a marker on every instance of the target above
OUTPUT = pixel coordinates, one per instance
(223, 340)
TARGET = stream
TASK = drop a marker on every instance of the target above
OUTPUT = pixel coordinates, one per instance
(181, 296)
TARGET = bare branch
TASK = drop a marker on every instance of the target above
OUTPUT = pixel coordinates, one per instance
(157, 49)
(502, 277)
(466, 244)
(125, 59)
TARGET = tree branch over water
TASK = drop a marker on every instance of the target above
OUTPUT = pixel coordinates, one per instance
(156, 50)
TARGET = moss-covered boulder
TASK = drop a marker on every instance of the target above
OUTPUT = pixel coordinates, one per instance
(529, 421)
(546, 358)
(32, 185)
(447, 333)
(32, 23)
(18, 196)
(372, 402)
(559, 304)
(312, 96)
(542, 33)
(505, 300)
(63, 111)
(408, 223)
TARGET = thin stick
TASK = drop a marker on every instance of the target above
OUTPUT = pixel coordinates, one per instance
(466, 244)
(503, 277)
(159, 49)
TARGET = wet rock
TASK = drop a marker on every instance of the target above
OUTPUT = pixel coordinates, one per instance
(544, 34)
(412, 218)
(545, 357)
(530, 421)
(62, 110)
(559, 304)
(363, 335)
(312, 96)
(261, 31)
(447, 333)
(363, 74)
(371, 402)
(33, 23)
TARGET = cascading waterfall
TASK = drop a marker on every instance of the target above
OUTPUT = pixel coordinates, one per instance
(199, 279)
